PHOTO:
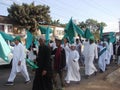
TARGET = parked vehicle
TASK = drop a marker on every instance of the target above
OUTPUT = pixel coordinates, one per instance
(3, 62)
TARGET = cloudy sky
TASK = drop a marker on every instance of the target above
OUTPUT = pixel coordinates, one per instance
(101, 10)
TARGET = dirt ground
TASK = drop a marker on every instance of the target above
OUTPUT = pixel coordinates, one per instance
(97, 82)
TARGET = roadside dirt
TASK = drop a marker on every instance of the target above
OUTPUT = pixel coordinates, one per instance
(97, 82)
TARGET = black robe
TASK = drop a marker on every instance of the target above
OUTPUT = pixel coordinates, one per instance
(118, 51)
(43, 61)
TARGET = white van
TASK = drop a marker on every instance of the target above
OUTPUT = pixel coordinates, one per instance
(3, 62)
(10, 56)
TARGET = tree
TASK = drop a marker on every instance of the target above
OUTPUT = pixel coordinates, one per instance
(55, 22)
(92, 24)
(82, 25)
(29, 14)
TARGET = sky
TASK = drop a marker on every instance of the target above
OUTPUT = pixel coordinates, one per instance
(101, 10)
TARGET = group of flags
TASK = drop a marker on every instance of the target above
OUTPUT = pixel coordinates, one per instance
(70, 31)
(71, 28)
(5, 49)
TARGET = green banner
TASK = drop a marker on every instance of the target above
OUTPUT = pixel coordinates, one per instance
(102, 51)
(4, 49)
(31, 64)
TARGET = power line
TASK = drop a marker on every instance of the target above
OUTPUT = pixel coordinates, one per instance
(103, 8)
(97, 8)
(15, 1)
(4, 4)
(91, 6)
(60, 10)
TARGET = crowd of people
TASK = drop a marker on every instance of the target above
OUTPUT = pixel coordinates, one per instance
(60, 58)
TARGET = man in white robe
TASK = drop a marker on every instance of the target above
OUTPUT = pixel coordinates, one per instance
(85, 47)
(67, 50)
(102, 58)
(18, 63)
(78, 48)
(110, 52)
(73, 73)
(91, 54)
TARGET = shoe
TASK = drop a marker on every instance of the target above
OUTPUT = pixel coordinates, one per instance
(87, 76)
(95, 73)
(78, 82)
(9, 84)
(101, 71)
(27, 82)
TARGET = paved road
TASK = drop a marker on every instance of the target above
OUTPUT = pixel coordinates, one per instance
(94, 83)
(19, 80)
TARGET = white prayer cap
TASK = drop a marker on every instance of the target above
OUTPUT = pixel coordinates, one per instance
(73, 44)
(104, 43)
(76, 37)
(58, 38)
(101, 42)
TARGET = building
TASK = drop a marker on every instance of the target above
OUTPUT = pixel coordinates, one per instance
(106, 35)
(57, 31)
(9, 26)
(6, 24)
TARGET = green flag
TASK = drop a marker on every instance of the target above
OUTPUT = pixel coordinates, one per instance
(31, 64)
(78, 30)
(46, 31)
(43, 29)
(4, 49)
(6, 36)
(47, 35)
(29, 39)
(36, 42)
(112, 37)
(88, 34)
(69, 31)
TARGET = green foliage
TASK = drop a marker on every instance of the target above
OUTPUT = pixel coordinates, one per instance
(92, 24)
(29, 14)
(57, 23)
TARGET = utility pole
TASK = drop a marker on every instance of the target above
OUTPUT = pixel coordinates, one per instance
(119, 25)
(119, 28)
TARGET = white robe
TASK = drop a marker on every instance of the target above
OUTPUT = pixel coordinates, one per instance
(91, 53)
(73, 73)
(18, 55)
(85, 48)
(67, 51)
(78, 48)
(31, 55)
(110, 52)
(102, 58)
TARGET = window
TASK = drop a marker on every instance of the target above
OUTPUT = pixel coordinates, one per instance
(10, 28)
(2, 27)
